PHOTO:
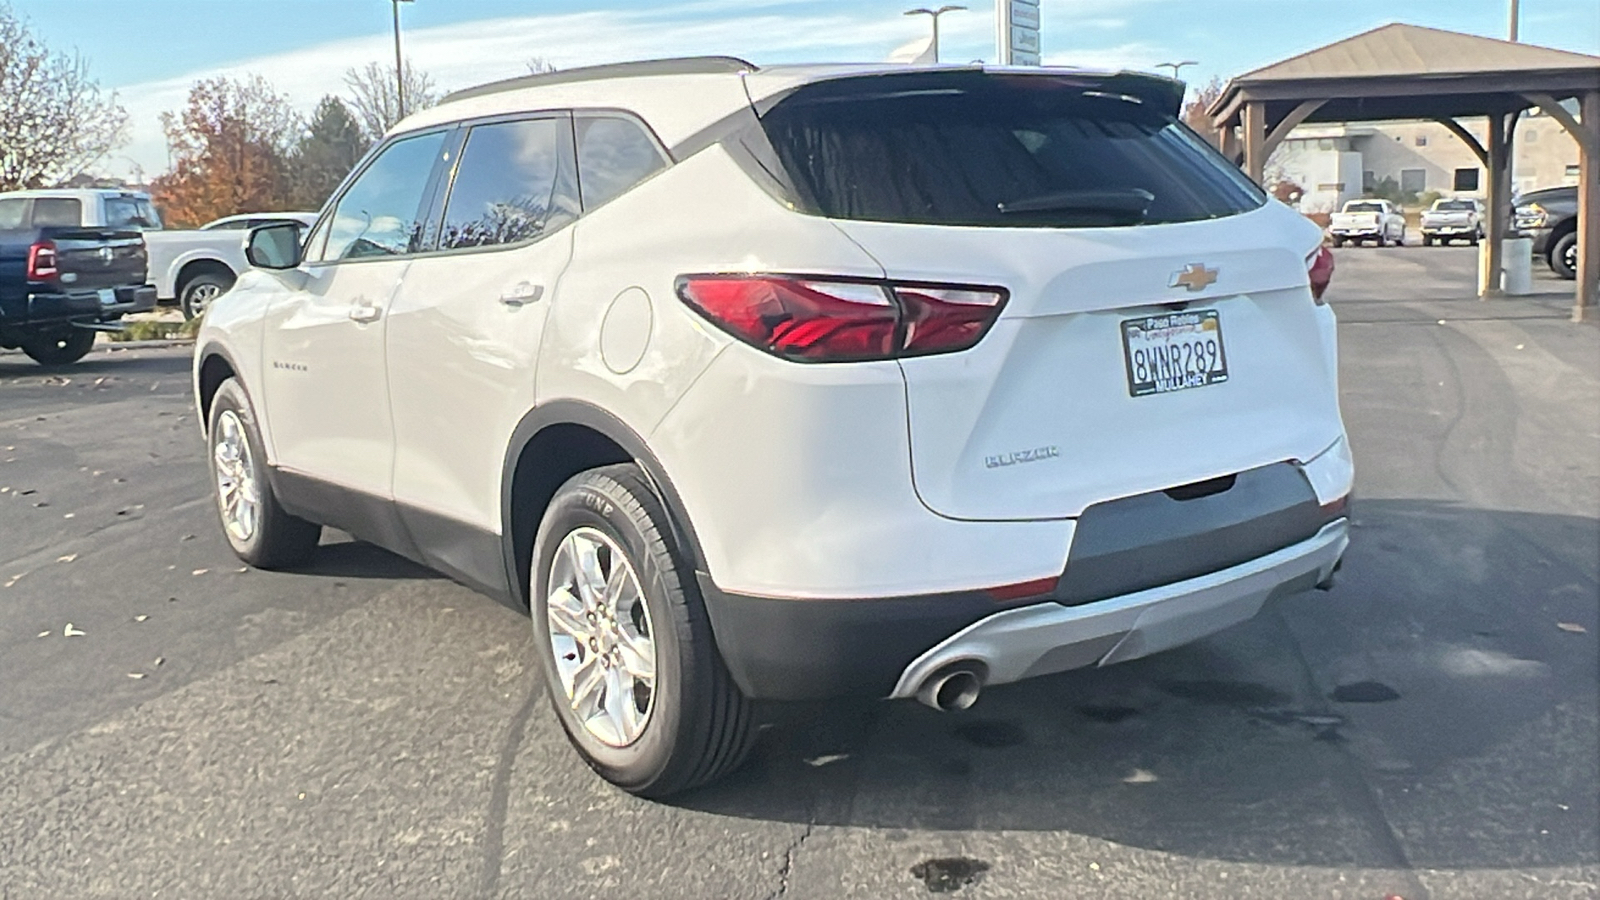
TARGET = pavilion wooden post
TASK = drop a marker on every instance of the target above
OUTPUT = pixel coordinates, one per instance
(1588, 211)
(1498, 197)
(1255, 139)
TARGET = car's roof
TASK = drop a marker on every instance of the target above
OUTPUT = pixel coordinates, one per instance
(679, 97)
(77, 193)
(1551, 192)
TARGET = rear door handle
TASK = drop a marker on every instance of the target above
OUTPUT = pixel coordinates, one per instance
(365, 311)
(522, 292)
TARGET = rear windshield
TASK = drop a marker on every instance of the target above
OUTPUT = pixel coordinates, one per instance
(1363, 207)
(966, 148)
(1454, 204)
(11, 210)
(131, 212)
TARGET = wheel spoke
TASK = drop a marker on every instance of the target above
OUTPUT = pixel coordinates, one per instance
(587, 681)
(566, 615)
(620, 708)
(638, 655)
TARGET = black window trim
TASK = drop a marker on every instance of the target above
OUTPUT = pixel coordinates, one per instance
(442, 179)
(324, 219)
(445, 184)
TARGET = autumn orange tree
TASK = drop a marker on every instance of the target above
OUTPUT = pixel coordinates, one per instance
(1194, 111)
(231, 147)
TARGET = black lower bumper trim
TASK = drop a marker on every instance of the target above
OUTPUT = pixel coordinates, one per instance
(780, 649)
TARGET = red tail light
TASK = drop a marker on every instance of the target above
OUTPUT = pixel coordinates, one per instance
(1319, 268)
(42, 261)
(822, 320)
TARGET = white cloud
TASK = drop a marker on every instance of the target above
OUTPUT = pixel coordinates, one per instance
(471, 53)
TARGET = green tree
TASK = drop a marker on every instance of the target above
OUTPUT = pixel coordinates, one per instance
(327, 152)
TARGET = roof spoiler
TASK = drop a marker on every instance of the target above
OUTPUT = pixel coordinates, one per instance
(692, 65)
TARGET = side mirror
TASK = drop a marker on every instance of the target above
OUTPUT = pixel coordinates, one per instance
(275, 246)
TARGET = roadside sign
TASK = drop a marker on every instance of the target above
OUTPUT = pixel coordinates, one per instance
(1017, 24)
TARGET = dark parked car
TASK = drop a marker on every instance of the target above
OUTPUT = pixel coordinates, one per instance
(59, 284)
(1550, 217)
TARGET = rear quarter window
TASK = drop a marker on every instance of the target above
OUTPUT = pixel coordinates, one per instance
(976, 149)
(12, 212)
(614, 154)
(57, 212)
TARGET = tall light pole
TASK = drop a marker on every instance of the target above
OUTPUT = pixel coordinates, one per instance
(1514, 17)
(1176, 66)
(399, 66)
(934, 14)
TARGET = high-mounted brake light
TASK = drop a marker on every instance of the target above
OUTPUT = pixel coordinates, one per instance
(823, 320)
(42, 261)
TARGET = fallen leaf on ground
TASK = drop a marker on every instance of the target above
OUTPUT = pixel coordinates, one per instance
(68, 558)
(45, 633)
(825, 759)
(1573, 627)
(135, 674)
(70, 631)
(1141, 776)
(140, 617)
(159, 661)
(199, 571)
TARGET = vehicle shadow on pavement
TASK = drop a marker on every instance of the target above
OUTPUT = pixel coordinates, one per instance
(1437, 708)
(102, 361)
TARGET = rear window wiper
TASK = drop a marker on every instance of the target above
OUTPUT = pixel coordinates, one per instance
(1127, 201)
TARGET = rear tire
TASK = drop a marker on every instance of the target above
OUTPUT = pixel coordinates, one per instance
(199, 292)
(693, 724)
(257, 528)
(1338, 242)
(1564, 256)
(60, 349)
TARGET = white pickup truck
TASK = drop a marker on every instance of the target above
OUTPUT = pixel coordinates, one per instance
(190, 268)
(1452, 220)
(1368, 220)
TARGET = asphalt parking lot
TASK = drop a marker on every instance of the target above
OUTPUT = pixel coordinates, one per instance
(1427, 729)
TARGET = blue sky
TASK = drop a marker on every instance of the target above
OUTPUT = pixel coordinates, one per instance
(149, 51)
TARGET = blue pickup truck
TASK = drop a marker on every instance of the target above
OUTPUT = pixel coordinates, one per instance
(60, 283)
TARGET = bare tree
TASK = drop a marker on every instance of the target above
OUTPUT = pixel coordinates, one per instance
(373, 100)
(54, 122)
(538, 65)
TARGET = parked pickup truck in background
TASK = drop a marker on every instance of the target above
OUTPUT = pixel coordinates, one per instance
(1550, 217)
(1452, 220)
(1368, 220)
(59, 284)
(191, 268)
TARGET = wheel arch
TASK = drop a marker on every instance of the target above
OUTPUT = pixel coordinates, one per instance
(553, 442)
(204, 265)
(213, 368)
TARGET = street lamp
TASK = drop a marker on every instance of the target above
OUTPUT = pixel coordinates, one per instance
(399, 67)
(934, 14)
(1175, 67)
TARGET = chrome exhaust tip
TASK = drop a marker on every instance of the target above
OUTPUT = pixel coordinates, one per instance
(951, 689)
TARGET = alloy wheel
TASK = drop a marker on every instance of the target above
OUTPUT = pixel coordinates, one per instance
(601, 637)
(238, 494)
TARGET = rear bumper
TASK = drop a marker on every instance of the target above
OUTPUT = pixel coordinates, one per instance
(779, 649)
(1047, 637)
(45, 308)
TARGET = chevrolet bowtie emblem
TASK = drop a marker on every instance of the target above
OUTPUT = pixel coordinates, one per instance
(1195, 277)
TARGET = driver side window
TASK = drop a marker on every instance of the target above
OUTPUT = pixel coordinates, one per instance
(381, 213)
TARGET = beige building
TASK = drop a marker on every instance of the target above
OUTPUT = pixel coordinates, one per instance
(1336, 162)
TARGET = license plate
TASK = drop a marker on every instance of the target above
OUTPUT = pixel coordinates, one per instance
(1173, 352)
(108, 296)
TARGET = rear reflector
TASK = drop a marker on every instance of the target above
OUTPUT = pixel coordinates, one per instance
(1319, 268)
(824, 320)
(1337, 507)
(1036, 588)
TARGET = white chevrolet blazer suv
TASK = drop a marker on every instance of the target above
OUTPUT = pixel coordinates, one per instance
(792, 383)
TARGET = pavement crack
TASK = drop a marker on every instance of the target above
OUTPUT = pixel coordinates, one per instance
(788, 862)
(500, 793)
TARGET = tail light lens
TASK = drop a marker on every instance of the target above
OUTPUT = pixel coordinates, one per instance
(823, 320)
(1319, 268)
(42, 261)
